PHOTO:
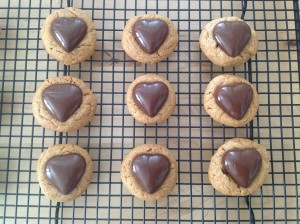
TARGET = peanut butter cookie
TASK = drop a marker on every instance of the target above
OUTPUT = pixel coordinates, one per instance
(228, 41)
(149, 172)
(63, 104)
(69, 36)
(64, 172)
(239, 167)
(150, 99)
(231, 100)
(149, 38)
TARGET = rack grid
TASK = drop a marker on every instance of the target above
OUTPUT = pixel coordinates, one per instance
(189, 133)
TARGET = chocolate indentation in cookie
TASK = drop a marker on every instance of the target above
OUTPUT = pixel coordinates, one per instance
(65, 171)
(232, 36)
(150, 171)
(62, 100)
(150, 97)
(150, 34)
(234, 99)
(68, 32)
(242, 165)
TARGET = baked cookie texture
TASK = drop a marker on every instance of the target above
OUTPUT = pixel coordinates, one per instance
(217, 113)
(214, 53)
(47, 188)
(84, 49)
(223, 182)
(133, 49)
(165, 111)
(81, 117)
(130, 182)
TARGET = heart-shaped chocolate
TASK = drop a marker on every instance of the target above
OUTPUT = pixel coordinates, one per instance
(62, 100)
(234, 99)
(150, 34)
(65, 171)
(68, 32)
(150, 97)
(232, 36)
(242, 165)
(150, 171)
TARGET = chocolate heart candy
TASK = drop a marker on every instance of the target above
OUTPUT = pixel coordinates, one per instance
(65, 171)
(150, 171)
(62, 100)
(242, 165)
(232, 36)
(234, 99)
(150, 34)
(69, 32)
(150, 97)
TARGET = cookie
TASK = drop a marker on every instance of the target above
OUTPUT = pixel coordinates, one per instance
(64, 172)
(239, 167)
(63, 104)
(228, 41)
(149, 38)
(150, 99)
(231, 100)
(59, 40)
(149, 172)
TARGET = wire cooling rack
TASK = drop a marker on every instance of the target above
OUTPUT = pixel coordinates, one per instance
(189, 133)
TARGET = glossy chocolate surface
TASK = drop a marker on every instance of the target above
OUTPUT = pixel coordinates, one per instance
(232, 36)
(234, 99)
(150, 34)
(242, 165)
(65, 171)
(150, 97)
(150, 171)
(62, 100)
(68, 32)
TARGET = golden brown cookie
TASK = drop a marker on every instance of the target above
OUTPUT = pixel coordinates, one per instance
(149, 168)
(149, 42)
(235, 94)
(59, 41)
(63, 104)
(216, 54)
(150, 99)
(64, 172)
(222, 180)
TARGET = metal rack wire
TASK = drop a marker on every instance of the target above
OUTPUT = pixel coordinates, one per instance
(190, 133)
